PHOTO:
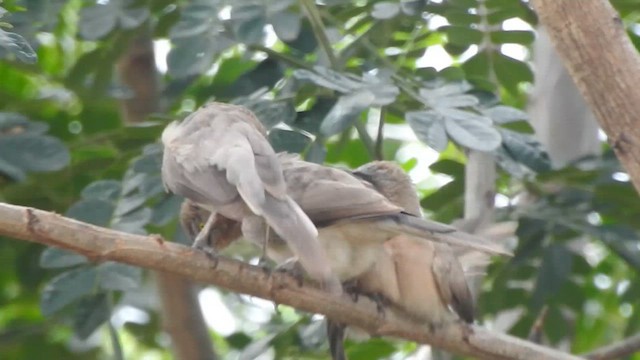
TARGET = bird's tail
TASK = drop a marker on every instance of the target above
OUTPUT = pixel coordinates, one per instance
(335, 335)
(288, 220)
(434, 231)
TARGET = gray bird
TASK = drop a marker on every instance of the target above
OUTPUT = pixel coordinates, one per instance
(219, 158)
(370, 224)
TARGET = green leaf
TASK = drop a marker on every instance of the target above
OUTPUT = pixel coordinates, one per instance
(317, 153)
(89, 314)
(116, 276)
(66, 288)
(345, 111)
(473, 134)
(30, 152)
(196, 39)
(286, 25)
(53, 258)
(502, 114)
(458, 114)
(448, 167)
(133, 221)
(14, 123)
(385, 10)
(100, 19)
(461, 17)
(12, 172)
(510, 72)
(522, 37)
(194, 55)
(372, 349)
(429, 128)
(329, 79)
(477, 67)
(250, 31)
(461, 35)
(165, 210)
(526, 150)
(92, 211)
(270, 113)
(553, 272)
(454, 101)
(446, 90)
(106, 190)
(287, 140)
(12, 44)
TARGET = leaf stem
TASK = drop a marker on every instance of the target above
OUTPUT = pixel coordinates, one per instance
(380, 136)
(320, 32)
(280, 56)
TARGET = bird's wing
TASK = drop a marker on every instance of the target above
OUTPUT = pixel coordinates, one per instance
(328, 195)
(230, 158)
(452, 283)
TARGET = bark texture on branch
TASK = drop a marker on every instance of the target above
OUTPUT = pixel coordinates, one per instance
(591, 40)
(153, 252)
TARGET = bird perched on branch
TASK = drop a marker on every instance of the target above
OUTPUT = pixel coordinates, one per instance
(219, 158)
(370, 224)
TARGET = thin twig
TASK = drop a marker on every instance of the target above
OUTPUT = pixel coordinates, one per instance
(535, 334)
(319, 31)
(626, 347)
(380, 136)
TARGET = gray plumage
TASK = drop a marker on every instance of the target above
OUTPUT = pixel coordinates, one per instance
(219, 158)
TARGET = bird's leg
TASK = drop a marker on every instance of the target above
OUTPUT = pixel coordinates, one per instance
(263, 262)
(201, 242)
(380, 300)
(351, 288)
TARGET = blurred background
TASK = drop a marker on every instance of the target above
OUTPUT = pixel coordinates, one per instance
(445, 88)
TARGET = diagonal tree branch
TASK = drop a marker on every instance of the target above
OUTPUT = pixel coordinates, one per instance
(591, 40)
(626, 347)
(152, 252)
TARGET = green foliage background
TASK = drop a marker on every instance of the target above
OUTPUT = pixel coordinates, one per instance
(64, 147)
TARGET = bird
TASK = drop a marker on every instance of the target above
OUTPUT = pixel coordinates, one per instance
(423, 280)
(359, 215)
(220, 159)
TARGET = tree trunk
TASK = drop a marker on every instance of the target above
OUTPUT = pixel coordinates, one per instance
(561, 118)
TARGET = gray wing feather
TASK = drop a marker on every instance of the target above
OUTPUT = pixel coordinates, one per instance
(452, 283)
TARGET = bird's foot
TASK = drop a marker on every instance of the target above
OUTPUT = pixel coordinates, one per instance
(210, 252)
(293, 268)
(351, 288)
(380, 301)
(263, 263)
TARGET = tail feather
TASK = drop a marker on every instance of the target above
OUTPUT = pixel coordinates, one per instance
(335, 334)
(430, 230)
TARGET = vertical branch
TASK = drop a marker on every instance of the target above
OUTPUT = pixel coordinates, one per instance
(182, 317)
(137, 71)
(593, 43)
(380, 136)
(563, 123)
(319, 31)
